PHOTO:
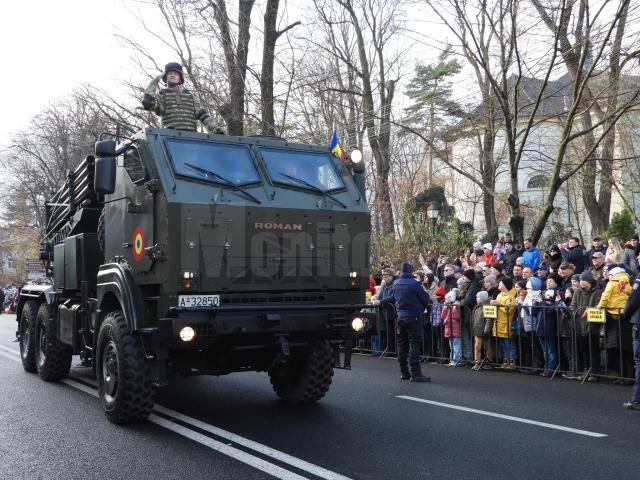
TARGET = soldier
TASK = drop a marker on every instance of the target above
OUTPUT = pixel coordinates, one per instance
(176, 105)
(632, 312)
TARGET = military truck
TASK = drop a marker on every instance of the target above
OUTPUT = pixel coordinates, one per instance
(179, 253)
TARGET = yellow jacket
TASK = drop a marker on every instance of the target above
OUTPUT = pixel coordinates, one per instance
(506, 310)
(615, 294)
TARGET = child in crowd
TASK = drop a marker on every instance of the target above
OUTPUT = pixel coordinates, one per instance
(481, 331)
(502, 328)
(451, 320)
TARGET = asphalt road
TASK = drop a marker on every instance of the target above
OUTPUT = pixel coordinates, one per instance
(371, 425)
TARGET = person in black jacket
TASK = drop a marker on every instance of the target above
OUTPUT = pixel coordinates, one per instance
(510, 257)
(410, 300)
(554, 258)
(632, 312)
(471, 288)
(575, 254)
(596, 246)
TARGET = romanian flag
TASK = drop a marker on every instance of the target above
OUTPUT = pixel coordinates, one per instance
(335, 144)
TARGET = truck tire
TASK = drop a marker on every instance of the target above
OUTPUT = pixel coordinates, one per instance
(305, 381)
(53, 359)
(124, 374)
(27, 329)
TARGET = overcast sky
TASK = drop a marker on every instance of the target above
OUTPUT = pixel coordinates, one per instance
(49, 47)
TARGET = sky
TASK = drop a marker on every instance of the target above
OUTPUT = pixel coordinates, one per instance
(49, 47)
(52, 47)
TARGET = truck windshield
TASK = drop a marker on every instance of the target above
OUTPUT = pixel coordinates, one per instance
(310, 169)
(232, 161)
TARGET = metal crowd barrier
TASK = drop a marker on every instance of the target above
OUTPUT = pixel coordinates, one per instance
(585, 348)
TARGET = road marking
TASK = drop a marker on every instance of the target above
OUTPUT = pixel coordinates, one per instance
(258, 447)
(505, 417)
(232, 452)
(10, 350)
(228, 450)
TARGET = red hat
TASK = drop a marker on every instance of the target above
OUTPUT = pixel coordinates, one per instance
(440, 292)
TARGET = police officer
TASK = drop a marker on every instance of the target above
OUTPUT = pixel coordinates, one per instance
(410, 300)
(176, 105)
(632, 312)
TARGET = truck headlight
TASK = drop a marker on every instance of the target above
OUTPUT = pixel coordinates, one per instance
(357, 324)
(187, 334)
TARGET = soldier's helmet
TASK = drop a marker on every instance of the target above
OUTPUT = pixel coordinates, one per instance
(173, 67)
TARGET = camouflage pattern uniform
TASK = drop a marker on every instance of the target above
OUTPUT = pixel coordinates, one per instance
(177, 106)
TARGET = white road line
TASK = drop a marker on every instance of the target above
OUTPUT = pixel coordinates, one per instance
(232, 452)
(505, 417)
(258, 447)
(10, 357)
(10, 350)
(235, 453)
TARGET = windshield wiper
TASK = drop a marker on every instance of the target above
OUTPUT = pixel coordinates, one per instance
(226, 181)
(313, 187)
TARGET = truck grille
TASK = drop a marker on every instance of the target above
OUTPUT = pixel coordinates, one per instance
(276, 299)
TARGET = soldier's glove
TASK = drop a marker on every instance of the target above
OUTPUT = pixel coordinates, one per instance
(148, 101)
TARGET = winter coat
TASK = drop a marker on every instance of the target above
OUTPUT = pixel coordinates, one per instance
(576, 256)
(583, 299)
(469, 301)
(451, 320)
(488, 258)
(449, 283)
(480, 326)
(493, 293)
(553, 262)
(506, 311)
(531, 258)
(546, 316)
(630, 262)
(592, 250)
(509, 260)
(615, 294)
(408, 295)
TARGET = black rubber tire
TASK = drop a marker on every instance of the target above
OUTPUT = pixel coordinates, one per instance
(27, 336)
(306, 380)
(124, 375)
(53, 359)
(100, 232)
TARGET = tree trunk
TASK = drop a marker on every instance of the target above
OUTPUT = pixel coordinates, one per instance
(236, 61)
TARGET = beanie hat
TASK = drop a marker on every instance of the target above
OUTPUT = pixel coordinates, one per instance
(461, 281)
(452, 296)
(406, 268)
(487, 246)
(507, 282)
(470, 274)
(458, 270)
(482, 296)
(534, 284)
(497, 266)
(440, 292)
(491, 279)
(587, 276)
(575, 277)
(616, 271)
(477, 245)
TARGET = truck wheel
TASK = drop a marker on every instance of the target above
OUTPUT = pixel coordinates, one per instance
(27, 329)
(53, 359)
(124, 375)
(306, 380)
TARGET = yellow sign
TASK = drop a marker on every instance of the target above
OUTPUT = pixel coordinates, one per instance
(490, 311)
(595, 315)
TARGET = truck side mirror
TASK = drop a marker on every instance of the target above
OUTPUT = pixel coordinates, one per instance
(104, 180)
(105, 148)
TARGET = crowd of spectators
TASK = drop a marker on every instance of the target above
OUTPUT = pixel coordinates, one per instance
(540, 323)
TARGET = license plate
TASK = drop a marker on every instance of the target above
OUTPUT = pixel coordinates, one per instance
(196, 301)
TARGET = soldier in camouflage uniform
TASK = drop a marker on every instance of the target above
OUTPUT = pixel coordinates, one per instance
(176, 105)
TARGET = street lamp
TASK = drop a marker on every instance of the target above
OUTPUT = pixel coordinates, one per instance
(432, 212)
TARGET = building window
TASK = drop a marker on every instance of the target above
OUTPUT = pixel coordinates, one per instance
(537, 182)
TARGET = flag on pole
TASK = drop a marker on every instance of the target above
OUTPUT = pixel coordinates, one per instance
(334, 147)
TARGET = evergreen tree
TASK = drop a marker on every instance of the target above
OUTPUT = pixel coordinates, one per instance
(622, 226)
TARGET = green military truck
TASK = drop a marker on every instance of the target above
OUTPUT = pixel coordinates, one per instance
(181, 253)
